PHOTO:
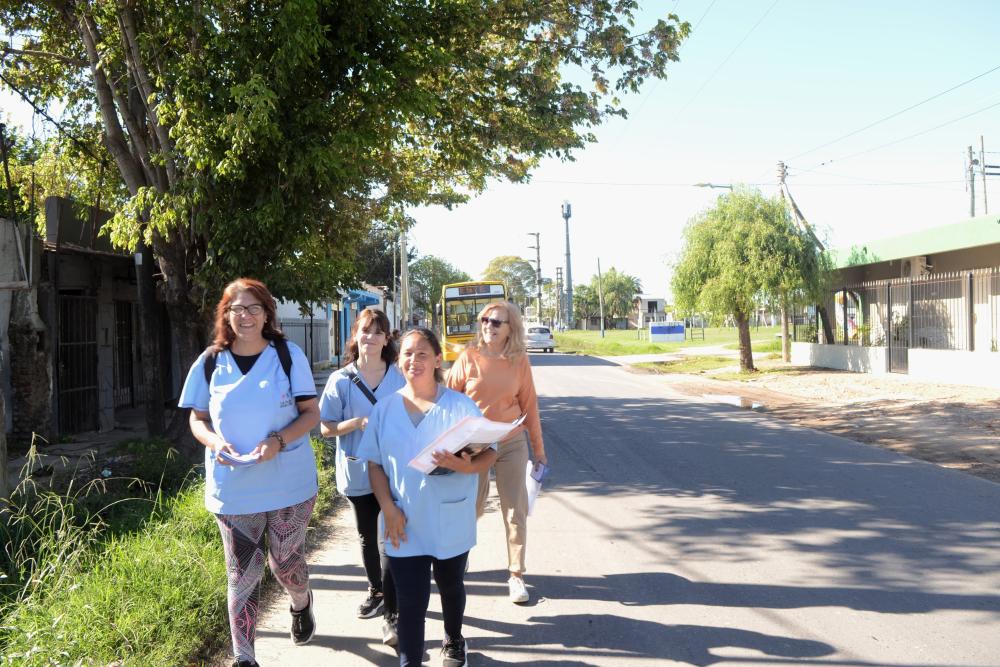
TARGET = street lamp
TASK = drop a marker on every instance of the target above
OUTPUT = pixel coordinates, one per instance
(567, 211)
(713, 185)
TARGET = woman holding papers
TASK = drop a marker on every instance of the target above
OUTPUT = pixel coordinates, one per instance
(429, 519)
(253, 403)
(344, 407)
(495, 373)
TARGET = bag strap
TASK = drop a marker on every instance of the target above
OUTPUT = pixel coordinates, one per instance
(361, 385)
(280, 346)
(211, 358)
(284, 356)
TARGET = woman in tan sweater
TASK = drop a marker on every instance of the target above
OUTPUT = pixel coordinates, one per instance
(494, 371)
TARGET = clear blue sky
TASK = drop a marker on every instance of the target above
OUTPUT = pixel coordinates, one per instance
(740, 99)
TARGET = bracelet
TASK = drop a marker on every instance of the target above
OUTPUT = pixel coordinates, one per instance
(277, 436)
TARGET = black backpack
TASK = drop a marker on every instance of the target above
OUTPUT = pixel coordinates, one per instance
(280, 346)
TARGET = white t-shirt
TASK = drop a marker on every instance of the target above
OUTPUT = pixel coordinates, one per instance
(244, 409)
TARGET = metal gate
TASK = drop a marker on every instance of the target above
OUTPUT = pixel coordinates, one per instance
(900, 306)
(124, 355)
(77, 363)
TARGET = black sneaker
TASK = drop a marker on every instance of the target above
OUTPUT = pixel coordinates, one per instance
(245, 663)
(453, 653)
(303, 624)
(390, 631)
(372, 606)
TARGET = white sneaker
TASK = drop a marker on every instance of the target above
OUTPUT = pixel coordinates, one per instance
(518, 592)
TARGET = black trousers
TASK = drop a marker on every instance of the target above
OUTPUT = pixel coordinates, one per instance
(413, 589)
(366, 511)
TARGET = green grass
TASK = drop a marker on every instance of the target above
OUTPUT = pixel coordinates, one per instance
(622, 342)
(151, 592)
(688, 365)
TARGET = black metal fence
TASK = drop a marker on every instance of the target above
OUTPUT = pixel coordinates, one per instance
(947, 311)
(313, 336)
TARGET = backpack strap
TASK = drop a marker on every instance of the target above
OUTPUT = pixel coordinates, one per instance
(284, 356)
(361, 385)
(211, 358)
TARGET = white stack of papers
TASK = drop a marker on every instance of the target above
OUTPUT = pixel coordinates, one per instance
(471, 433)
(239, 460)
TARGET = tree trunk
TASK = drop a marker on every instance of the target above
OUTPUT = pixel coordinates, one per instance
(786, 342)
(149, 327)
(746, 352)
(824, 317)
(187, 333)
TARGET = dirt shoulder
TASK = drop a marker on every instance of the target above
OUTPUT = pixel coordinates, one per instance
(953, 426)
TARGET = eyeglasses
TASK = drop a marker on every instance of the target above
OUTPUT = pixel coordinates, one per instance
(496, 324)
(255, 310)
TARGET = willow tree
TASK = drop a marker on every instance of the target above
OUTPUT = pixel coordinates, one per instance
(741, 253)
(264, 138)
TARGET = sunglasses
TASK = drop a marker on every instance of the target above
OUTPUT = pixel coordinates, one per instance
(496, 324)
(255, 310)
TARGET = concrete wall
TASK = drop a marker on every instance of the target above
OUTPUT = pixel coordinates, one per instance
(946, 366)
(842, 357)
(952, 367)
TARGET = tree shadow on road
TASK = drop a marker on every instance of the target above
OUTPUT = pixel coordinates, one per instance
(728, 485)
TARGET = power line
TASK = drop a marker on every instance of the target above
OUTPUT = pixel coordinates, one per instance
(653, 88)
(893, 115)
(726, 60)
(24, 96)
(691, 185)
(908, 137)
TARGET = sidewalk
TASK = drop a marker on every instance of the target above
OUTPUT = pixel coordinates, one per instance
(339, 586)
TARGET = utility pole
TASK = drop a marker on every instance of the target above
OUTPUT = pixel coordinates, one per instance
(538, 271)
(600, 295)
(982, 170)
(559, 295)
(404, 282)
(972, 184)
(567, 212)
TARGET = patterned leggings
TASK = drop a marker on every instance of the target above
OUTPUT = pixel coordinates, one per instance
(243, 541)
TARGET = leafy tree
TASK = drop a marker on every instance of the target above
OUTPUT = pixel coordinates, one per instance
(585, 302)
(428, 275)
(517, 274)
(743, 252)
(265, 138)
(376, 253)
(619, 290)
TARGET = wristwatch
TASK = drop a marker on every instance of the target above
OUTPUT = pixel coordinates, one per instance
(277, 436)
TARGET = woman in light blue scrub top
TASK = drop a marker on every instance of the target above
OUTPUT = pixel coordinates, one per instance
(344, 408)
(253, 406)
(429, 520)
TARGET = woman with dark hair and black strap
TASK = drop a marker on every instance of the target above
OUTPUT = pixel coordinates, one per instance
(348, 398)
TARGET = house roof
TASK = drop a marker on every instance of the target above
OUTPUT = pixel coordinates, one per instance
(649, 297)
(971, 233)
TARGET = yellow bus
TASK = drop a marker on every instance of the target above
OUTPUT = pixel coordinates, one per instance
(459, 306)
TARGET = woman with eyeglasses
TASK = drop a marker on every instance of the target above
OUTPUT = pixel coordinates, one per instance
(494, 371)
(252, 397)
(429, 520)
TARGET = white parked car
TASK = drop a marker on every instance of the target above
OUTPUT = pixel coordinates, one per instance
(539, 338)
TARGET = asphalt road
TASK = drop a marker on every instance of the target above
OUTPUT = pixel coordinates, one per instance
(675, 532)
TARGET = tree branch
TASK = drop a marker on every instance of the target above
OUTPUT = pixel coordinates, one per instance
(132, 57)
(43, 54)
(114, 137)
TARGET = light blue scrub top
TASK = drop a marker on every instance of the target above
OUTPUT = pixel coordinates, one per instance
(244, 409)
(440, 510)
(342, 400)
